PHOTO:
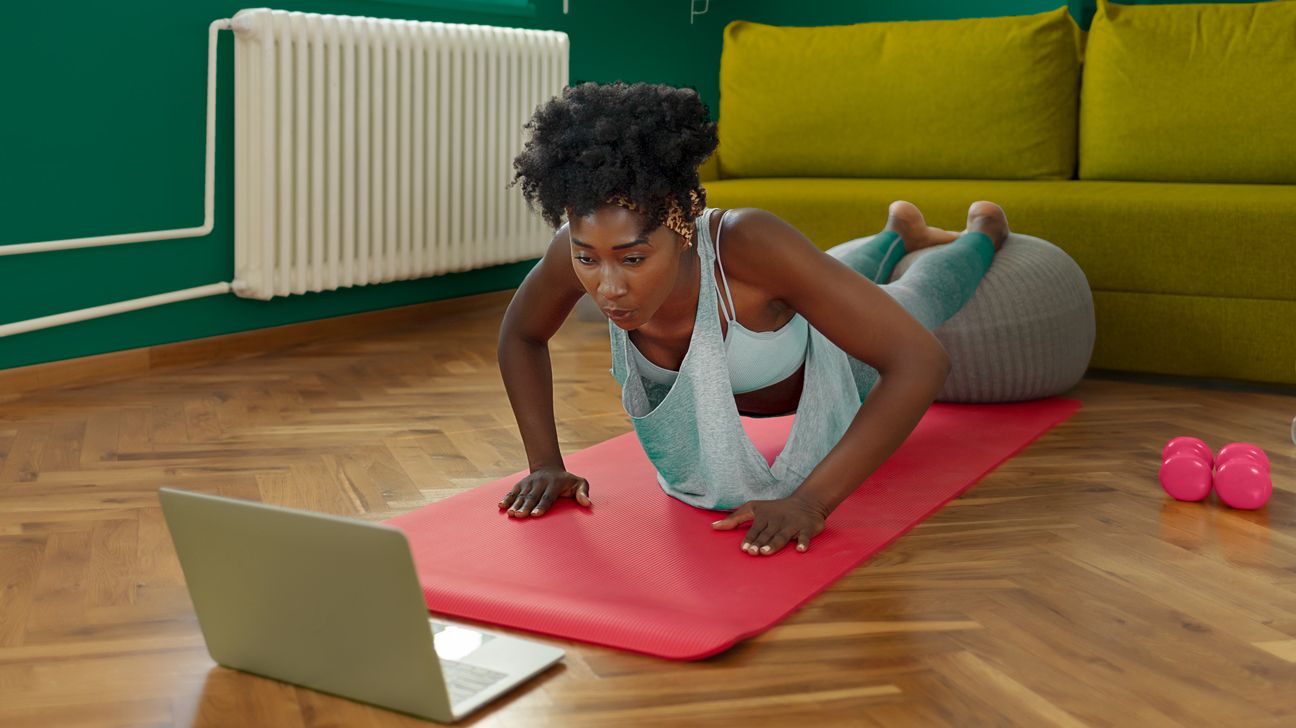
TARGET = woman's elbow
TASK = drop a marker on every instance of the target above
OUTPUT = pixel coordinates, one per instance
(934, 362)
(941, 361)
(926, 361)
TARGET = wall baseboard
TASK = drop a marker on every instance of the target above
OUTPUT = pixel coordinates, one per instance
(88, 370)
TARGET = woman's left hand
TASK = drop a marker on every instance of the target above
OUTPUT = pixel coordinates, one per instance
(774, 524)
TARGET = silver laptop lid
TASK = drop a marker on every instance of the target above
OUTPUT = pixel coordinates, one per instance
(329, 603)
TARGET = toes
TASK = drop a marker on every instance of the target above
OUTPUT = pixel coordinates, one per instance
(984, 207)
(986, 210)
(903, 216)
(905, 210)
(988, 217)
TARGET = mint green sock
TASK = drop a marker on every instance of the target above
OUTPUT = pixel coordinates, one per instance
(943, 278)
(981, 242)
(876, 257)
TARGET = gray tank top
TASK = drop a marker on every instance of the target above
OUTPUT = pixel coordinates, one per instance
(691, 430)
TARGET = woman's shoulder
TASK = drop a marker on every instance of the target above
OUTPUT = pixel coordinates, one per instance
(745, 221)
(747, 237)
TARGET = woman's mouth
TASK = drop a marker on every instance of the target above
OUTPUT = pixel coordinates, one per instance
(617, 314)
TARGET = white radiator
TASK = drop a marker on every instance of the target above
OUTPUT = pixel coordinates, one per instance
(369, 150)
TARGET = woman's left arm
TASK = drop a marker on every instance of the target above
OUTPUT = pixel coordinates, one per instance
(865, 322)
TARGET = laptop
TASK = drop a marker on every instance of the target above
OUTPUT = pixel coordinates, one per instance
(333, 604)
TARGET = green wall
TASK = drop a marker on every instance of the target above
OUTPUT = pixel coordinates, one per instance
(103, 134)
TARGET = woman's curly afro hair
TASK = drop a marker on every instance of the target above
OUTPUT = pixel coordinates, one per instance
(595, 141)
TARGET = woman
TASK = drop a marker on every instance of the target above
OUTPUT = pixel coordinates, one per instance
(716, 313)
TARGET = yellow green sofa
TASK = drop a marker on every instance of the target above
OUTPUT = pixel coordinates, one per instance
(1158, 150)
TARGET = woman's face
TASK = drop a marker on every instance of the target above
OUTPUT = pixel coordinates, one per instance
(629, 276)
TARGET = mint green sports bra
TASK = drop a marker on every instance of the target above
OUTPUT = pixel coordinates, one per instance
(756, 359)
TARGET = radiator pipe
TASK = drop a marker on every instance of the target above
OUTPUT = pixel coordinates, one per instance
(213, 289)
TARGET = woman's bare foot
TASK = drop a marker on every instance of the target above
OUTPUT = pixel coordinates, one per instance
(904, 218)
(989, 218)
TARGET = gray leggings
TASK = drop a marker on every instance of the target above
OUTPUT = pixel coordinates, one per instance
(932, 290)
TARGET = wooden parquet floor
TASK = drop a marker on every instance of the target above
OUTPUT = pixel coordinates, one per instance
(1063, 589)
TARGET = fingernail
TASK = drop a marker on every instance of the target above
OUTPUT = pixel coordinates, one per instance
(715, 523)
(765, 549)
(536, 512)
(745, 545)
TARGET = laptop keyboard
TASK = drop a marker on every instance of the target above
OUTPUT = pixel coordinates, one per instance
(464, 680)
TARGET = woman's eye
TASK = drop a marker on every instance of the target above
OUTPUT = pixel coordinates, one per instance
(583, 259)
(634, 259)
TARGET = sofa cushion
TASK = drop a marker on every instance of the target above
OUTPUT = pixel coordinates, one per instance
(978, 98)
(1190, 93)
(1223, 240)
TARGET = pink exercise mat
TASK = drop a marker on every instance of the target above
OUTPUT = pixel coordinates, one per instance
(641, 571)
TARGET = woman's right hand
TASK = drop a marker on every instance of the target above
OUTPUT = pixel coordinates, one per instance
(534, 494)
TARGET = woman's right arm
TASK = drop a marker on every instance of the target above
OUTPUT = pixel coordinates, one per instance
(538, 309)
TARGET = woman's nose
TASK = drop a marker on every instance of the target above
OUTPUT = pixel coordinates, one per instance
(610, 288)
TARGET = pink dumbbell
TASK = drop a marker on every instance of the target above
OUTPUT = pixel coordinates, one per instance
(1188, 444)
(1233, 449)
(1242, 478)
(1186, 469)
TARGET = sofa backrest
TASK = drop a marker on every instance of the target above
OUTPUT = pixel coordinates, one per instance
(977, 98)
(1190, 93)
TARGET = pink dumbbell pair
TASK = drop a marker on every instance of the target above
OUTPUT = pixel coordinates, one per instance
(1240, 474)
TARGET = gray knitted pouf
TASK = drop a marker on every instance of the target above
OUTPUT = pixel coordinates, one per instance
(1027, 332)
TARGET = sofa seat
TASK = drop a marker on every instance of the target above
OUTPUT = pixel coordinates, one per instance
(1188, 278)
